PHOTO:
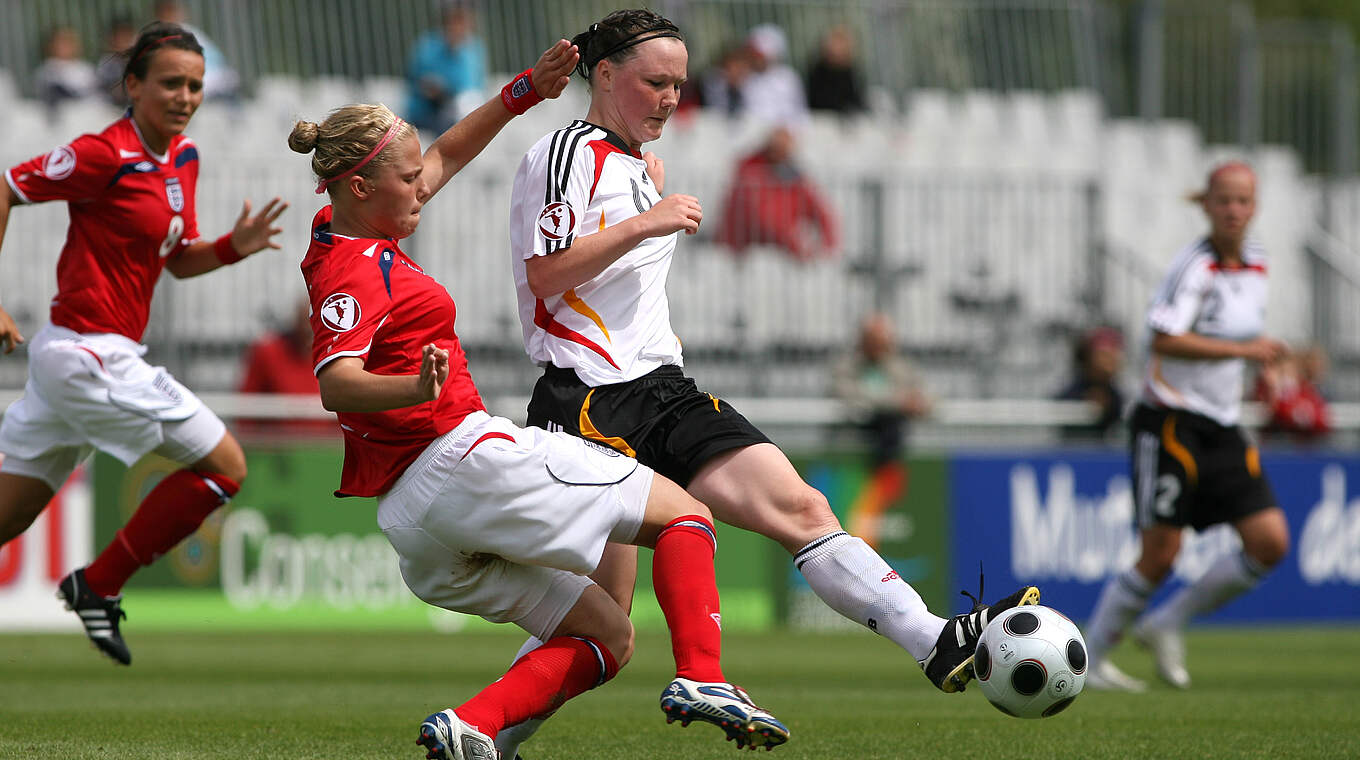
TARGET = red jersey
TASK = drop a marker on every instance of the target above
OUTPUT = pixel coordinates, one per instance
(131, 210)
(372, 301)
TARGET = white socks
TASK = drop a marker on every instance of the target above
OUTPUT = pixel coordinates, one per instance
(510, 737)
(1230, 576)
(853, 580)
(1123, 599)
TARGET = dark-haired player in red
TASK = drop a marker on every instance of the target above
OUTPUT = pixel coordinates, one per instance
(131, 191)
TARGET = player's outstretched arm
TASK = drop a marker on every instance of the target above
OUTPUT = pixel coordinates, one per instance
(461, 143)
(250, 234)
(347, 387)
(9, 331)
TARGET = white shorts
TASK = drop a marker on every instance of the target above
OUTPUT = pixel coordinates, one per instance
(87, 392)
(505, 522)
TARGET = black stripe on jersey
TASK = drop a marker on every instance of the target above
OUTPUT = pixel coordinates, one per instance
(557, 154)
(560, 160)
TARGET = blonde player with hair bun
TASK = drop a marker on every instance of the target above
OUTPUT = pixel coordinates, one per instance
(488, 518)
(1193, 464)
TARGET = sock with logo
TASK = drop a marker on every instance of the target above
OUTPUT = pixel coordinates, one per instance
(1124, 597)
(510, 737)
(687, 591)
(853, 580)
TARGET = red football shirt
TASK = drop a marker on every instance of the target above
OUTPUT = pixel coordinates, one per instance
(372, 301)
(131, 210)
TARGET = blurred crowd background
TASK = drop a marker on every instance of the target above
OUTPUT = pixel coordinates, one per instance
(998, 185)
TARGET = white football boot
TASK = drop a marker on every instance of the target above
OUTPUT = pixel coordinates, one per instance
(1168, 649)
(445, 737)
(726, 706)
(1104, 676)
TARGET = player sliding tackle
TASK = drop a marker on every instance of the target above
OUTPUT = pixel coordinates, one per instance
(488, 518)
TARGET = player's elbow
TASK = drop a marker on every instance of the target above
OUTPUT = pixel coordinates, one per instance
(332, 391)
(541, 281)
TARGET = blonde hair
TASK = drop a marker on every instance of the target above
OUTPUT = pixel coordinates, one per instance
(348, 134)
(1198, 197)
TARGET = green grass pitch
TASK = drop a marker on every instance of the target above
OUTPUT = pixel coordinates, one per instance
(1259, 693)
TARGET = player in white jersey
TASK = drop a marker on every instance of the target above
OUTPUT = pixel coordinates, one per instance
(591, 242)
(1193, 465)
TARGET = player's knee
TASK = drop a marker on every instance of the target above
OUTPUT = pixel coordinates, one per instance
(15, 517)
(229, 461)
(1155, 565)
(619, 639)
(20, 506)
(1270, 550)
(810, 512)
(671, 501)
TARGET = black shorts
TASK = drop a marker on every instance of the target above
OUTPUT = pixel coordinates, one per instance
(661, 418)
(1190, 470)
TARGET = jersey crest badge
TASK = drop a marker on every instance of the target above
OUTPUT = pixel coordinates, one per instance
(556, 221)
(60, 163)
(340, 312)
(174, 193)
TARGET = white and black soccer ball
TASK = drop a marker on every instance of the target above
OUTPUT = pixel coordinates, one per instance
(1030, 662)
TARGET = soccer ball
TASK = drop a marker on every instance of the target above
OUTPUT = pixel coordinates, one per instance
(1030, 662)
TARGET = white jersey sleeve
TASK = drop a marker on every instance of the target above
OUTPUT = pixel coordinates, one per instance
(552, 192)
(1176, 305)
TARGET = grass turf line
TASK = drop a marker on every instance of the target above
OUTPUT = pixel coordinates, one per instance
(1267, 693)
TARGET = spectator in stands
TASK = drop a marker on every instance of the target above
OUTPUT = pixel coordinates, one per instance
(1097, 358)
(834, 80)
(63, 75)
(220, 80)
(773, 92)
(1290, 390)
(118, 39)
(719, 89)
(281, 362)
(446, 71)
(882, 393)
(881, 389)
(772, 201)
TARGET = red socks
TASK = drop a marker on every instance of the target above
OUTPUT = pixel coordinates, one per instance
(539, 682)
(686, 588)
(173, 510)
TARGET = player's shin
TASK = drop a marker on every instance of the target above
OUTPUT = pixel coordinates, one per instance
(540, 682)
(687, 591)
(1124, 597)
(510, 737)
(170, 513)
(853, 580)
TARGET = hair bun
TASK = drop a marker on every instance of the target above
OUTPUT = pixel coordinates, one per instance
(304, 137)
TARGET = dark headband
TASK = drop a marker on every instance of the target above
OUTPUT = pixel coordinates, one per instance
(640, 37)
